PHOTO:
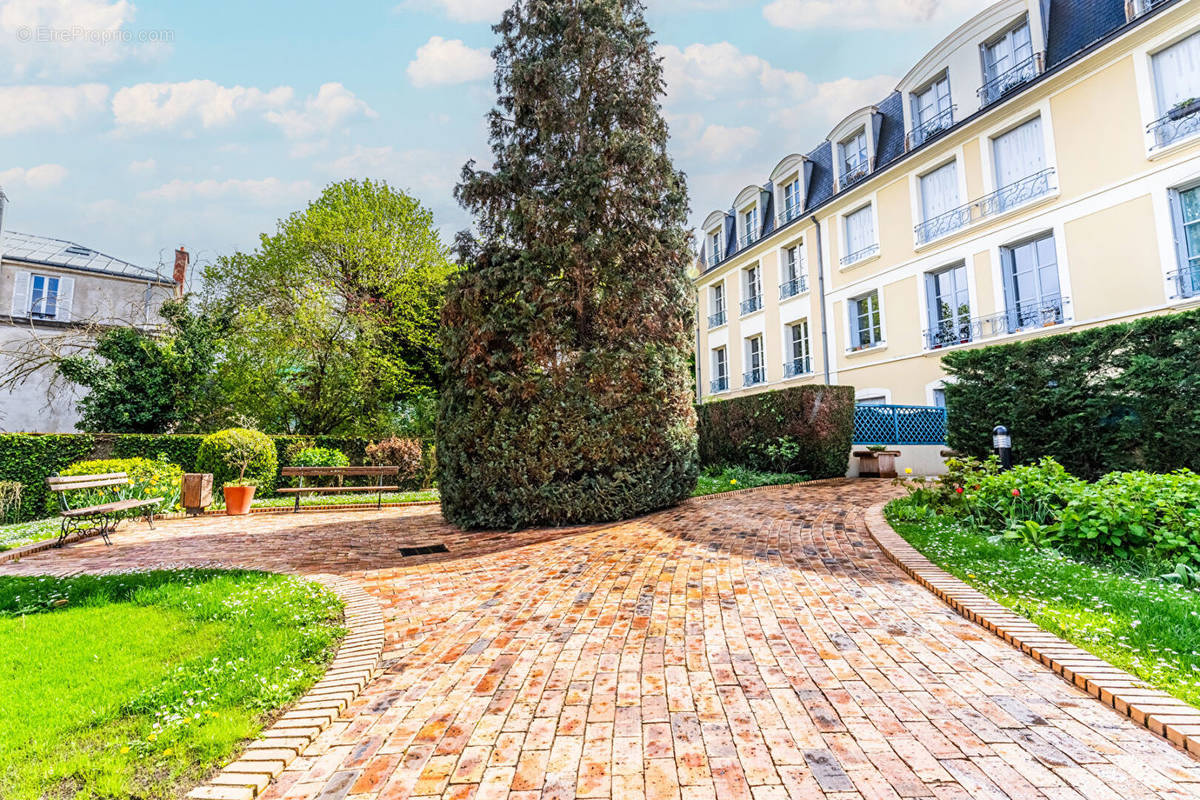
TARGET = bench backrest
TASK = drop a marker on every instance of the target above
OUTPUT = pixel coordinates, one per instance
(70, 482)
(324, 472)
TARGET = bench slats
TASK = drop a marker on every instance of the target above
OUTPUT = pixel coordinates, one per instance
(325, 472)
(70, 482)
(119, 505)
(335, 489)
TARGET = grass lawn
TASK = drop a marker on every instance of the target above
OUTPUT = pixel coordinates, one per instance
(1122, 613)
(729, 479)
(23, 533)
(137, 685)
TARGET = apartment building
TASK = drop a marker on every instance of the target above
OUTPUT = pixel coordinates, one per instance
(1036, 172)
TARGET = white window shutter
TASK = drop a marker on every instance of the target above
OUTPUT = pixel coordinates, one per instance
(1019, 153)
(66, 295)
(20, 298)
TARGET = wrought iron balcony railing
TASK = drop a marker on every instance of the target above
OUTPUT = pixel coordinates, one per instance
(854, 173)
(751, 304)
(860, 255)
(787, 215)
(949, 333)
(748, 238)
(1004, 199)
(716, 320)
(1187, 281)
(945, 224)
(712, 260)
(1136, 8)
(754, 377)
(717, 385)
(797, 367)
(1179, 123)
(930, 128)
(1000, 85)
(793, 287)
(1044, 313)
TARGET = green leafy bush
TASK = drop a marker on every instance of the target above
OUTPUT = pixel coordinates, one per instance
(320, 457)
(219, 452)
(407, 454)
(805, 429)
(1034, 493)
(30, 458)
(147, 478)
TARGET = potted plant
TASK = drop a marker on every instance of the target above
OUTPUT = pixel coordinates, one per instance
(1184, 108)
(239, 493)
(877, 461)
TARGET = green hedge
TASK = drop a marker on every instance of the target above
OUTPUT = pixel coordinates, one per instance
(819, 419)
(32, 457)
(1117, 397)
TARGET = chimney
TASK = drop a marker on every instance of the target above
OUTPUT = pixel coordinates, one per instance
(181, 267)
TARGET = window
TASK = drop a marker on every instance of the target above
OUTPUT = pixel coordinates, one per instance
(714, 247)
(1031, 288)
(720, 370)
(43, 297)
(854, 158)
(1176, 89)
(866, 324)
(872, 400)
(1185, 209)
(791, 201)
(1021, 173)
(750, 228)
(800, 358)
(794, 280)
(1008, 62)
(716, 301)
(932, 112)
(755, 371)
(949, 307)
(939, 398)
(860, 235)
(939, 191)
(752, 289)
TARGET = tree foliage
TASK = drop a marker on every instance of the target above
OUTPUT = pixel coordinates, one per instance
(335, 315)
(566, 393)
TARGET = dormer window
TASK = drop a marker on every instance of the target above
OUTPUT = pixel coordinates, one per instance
(791, 200)
(854, 158)
(714, 248)
(1008, 62)
(750, 226)
(932, 111)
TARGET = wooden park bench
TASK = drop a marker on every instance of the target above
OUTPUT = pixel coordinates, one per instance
(338, 472)
(102, 519)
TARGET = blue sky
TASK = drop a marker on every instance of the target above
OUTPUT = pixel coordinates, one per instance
(136, 128)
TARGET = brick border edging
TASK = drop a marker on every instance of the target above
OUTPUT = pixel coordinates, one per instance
(1158, 711)
(356, 664)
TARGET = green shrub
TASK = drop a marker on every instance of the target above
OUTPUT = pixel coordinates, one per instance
(320, 457)
(1034, 493)
(220, 451)
(30, 458)
(1115, 397)
(407, 454)
(804, 429)
(10, 501)
(147, 478)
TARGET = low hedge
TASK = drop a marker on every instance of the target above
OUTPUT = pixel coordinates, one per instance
(813, 425)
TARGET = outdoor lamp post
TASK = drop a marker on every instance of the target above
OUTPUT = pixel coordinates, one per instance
(1002, 443)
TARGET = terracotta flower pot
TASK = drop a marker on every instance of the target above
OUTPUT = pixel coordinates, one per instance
(238, 499)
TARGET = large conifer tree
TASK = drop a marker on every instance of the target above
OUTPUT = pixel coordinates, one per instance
(566, 391)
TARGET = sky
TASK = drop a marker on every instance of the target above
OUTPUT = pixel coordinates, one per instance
(136, 128)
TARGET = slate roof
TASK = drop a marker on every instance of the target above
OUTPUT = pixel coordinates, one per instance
(1072, 27)
(30, 249)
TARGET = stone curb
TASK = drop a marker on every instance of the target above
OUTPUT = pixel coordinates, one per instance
(356, 664)
(1158, 711)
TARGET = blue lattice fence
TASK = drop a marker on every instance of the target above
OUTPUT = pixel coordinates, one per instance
(899, 425)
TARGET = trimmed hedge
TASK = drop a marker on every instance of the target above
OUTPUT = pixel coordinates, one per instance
(1117, 397)
(251, 449)
(819, 419)
(32, 457)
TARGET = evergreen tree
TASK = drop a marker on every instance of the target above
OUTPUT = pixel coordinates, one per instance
(566, 391)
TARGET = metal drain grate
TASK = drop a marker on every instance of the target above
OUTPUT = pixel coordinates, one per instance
(423, 551)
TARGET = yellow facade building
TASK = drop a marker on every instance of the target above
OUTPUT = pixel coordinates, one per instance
(1036, 172)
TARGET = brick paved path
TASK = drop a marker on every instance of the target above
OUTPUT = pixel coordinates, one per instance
(758, 646)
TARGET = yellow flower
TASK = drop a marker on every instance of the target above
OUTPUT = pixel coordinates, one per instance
(152, 737)
(733, 482)
(908, 470)
(168, 751)
(125, 749)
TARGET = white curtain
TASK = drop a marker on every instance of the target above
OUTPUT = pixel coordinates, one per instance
(939, 191)
(1019, 153)
(860, 230)
(1177, 73)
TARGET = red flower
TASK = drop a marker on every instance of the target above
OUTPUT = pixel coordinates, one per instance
(1016, 492)
(958, 489)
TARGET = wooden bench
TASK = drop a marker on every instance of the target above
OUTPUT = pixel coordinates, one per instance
(102, 519)
(338, 472)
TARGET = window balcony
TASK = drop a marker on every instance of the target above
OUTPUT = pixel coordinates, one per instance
(716, 320)
(945, 224)
(793, 287)
(787, 215)
(1030, 315)
(851, 175)
(1008, 197)
(1137, 8)
(930, 128)
(754, 377)
(751, 304)
(718, 385)
(1186, 282)
(1179, 123)
(797, 367)
(712, 260)
(1010, 80)
(860, 255)
(949, 333)
(748, 239)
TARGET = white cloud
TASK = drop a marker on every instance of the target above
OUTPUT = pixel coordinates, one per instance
(864, 14)
(43, 176)
(263, 191)
(464, 10)
(147, 165)
(29, 108)
(160, 106)
(830, 102)
(44, 38)
(419, 170)
(332, 105)
(722, 143)
(446, 61)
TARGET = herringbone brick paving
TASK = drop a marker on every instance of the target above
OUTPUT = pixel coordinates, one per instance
(758, 646)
